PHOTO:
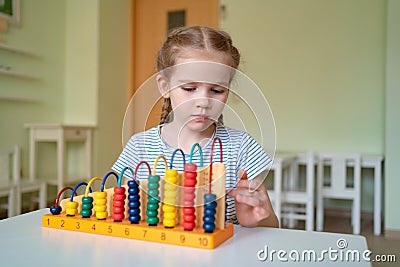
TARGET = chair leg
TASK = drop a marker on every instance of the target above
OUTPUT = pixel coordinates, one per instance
(18, 201)
(357, 217)
(43, 196)
(320, 214)
(11, 203)
(310, 216)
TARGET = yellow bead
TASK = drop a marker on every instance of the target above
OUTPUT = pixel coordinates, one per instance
(168, 208)
(171, 173)
(170, 216)
(170, 194)
(101, 215)
(100, 201)
(100, 208)
(100, 194)
(169, 223)
(170, 187)
(71, 204)
(71, 208)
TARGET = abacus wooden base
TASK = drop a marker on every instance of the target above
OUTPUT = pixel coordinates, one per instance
(176, 236)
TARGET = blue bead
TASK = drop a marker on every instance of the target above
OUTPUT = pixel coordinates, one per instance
(134, 212)
(132, 183)
(133, 198)
(55, 210)
(134, 204)
(209, 212)
(134, 219)
(209, 228)
(208, 219)
(209, 198)
(133, 191)
(211, 205)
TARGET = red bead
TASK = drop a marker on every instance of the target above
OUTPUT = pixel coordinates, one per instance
(188, 225)
(118, 209)
(119, 203)
(190, 167)
(118, 217)
(189, 217)
(188, 203)
(119, 190)
(119, 197)
(187, 210)
(189, 190)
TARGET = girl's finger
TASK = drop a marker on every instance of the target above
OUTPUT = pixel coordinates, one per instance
(248, 200)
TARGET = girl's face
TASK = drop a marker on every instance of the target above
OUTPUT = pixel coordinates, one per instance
(199, 90)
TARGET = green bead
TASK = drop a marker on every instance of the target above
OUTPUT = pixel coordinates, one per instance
(151, 213)
(153, 200)
(87, 206)
(87, 200)
(153, 186)
(152, 220)
(153, 192)
(152, 206)
(86, 213)
(154, 178)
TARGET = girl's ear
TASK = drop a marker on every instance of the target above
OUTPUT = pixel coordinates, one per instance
(162, 84)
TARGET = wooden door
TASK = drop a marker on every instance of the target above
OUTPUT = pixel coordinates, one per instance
(152, 20)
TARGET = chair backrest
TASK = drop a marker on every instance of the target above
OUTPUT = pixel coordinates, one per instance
(340, 165)
(10, 165)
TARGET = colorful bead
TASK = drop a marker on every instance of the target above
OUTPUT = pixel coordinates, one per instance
(133, 202)
(210, 205)
(170, 193)
(87, 206)
(55, 210)
(119, 204)
(100, 208)
(71, 208)
(153, 200)
(188, 197)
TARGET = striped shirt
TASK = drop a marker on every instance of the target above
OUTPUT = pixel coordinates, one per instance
(240, 152)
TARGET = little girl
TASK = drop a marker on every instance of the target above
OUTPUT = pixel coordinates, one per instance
(196, 65)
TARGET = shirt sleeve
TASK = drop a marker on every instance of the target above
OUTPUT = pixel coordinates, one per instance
(252, 157)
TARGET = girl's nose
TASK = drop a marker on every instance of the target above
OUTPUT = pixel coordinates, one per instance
(203, 102)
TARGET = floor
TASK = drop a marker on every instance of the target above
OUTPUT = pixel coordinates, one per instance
(379, 245)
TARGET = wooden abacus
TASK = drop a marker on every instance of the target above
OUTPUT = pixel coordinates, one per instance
(188, 200)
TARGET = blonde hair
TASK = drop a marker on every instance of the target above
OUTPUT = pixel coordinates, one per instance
(193, 37)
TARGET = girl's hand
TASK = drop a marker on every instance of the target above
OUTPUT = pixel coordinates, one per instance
(253, 206)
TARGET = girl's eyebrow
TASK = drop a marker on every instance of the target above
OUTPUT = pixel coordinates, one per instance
(182, 82)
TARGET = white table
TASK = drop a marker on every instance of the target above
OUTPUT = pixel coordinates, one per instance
(60, 134)
(25, 243)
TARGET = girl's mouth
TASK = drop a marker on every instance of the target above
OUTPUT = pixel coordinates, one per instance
(200, 117)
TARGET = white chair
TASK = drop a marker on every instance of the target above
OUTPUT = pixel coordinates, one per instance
(18, 185)
(298, 198)
(336, 185)
(9, 176)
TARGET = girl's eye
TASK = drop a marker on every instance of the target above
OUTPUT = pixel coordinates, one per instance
(218, 90)
(189, 88)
